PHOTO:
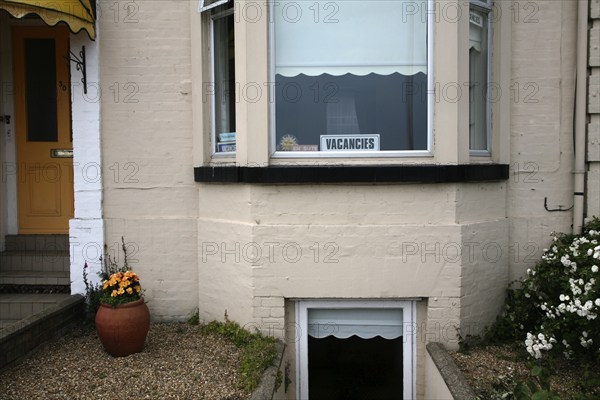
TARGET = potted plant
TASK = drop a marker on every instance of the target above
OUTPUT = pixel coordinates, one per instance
(123, 318)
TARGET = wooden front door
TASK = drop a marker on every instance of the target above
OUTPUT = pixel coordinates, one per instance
(43, 128)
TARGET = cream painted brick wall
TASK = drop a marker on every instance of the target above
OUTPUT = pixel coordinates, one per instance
(543, 68)
(150, 196)
(164, 254)
(224, 282)
(484, 274)
(387, 241)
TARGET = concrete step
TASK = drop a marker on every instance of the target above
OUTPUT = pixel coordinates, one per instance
(19, 336)
(7, 322)
(37, 278)
(21, 306)
(37, 243)
(29, 260)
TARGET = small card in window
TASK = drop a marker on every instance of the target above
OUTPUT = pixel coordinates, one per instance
(349, 142)
(226, 147)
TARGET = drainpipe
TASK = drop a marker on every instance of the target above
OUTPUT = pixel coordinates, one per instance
(580, 114)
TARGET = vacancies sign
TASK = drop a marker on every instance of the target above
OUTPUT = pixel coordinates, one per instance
(349, 142)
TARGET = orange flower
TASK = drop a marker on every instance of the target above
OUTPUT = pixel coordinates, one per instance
(138, 289)
(114, 293)
(129, 290)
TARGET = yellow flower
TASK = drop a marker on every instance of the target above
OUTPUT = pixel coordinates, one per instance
(105, 285)
(124, 283)
(120, 291)
(114, 293)
(129, 290)
(138, 289)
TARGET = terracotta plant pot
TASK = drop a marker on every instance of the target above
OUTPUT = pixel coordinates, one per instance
(123, 329)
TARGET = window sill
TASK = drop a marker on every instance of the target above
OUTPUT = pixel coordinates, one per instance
(353, 174)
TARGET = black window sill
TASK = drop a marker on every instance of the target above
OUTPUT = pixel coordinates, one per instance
(353, 174)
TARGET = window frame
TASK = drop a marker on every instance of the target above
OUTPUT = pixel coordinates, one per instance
(274, 154)
(202, 6)
(409, 318)
(486, 7)
(213, 107)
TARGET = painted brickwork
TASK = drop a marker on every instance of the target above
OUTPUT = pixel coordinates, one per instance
(150, 197)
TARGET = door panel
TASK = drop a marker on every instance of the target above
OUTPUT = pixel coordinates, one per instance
(43, 125)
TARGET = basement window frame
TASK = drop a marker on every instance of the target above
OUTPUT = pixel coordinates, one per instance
(409, 313)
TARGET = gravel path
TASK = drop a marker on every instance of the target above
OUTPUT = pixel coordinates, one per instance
(178, 362)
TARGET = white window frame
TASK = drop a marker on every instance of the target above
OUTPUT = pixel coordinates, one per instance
(213, 106)
(409, 338)
(205, 5)
(488, 8)
(354, 154)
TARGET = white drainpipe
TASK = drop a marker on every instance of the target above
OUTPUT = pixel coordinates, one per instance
(580, 114)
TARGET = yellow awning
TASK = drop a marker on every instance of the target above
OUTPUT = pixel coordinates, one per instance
(77, 14)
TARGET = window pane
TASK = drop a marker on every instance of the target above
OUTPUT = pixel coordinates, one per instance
(40, 91)
(224, 74)
(354, 69)
(478, 77)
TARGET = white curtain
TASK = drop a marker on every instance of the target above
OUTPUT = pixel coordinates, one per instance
(365, 323)
(350, 36)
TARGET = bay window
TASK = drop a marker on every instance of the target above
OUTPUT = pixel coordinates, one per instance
(351, 78)
(480, 85)
(222, 44)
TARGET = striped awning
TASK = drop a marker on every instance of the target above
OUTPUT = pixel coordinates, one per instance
(77, 14)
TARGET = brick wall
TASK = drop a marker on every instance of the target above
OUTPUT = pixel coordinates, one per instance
(150, 196)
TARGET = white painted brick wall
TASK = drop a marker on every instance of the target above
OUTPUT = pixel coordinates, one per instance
(86, 230)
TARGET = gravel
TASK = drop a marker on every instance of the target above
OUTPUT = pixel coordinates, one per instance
(489, 367)
(178, 362)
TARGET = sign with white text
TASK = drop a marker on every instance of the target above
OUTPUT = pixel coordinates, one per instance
(349, 142)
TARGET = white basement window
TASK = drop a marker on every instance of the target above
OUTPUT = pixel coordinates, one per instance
(355, 349)
(351, 78)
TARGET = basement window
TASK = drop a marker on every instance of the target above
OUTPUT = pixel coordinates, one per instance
(355, 349)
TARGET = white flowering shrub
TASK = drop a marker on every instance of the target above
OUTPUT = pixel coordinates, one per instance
(557, 305)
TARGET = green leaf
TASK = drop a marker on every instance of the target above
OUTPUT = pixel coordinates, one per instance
(521, 392)
(532, 386)
(541, 395)
(537, 371)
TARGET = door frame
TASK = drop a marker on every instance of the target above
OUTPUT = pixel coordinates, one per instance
(64, 119)
(409, 337)
(86, 229)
